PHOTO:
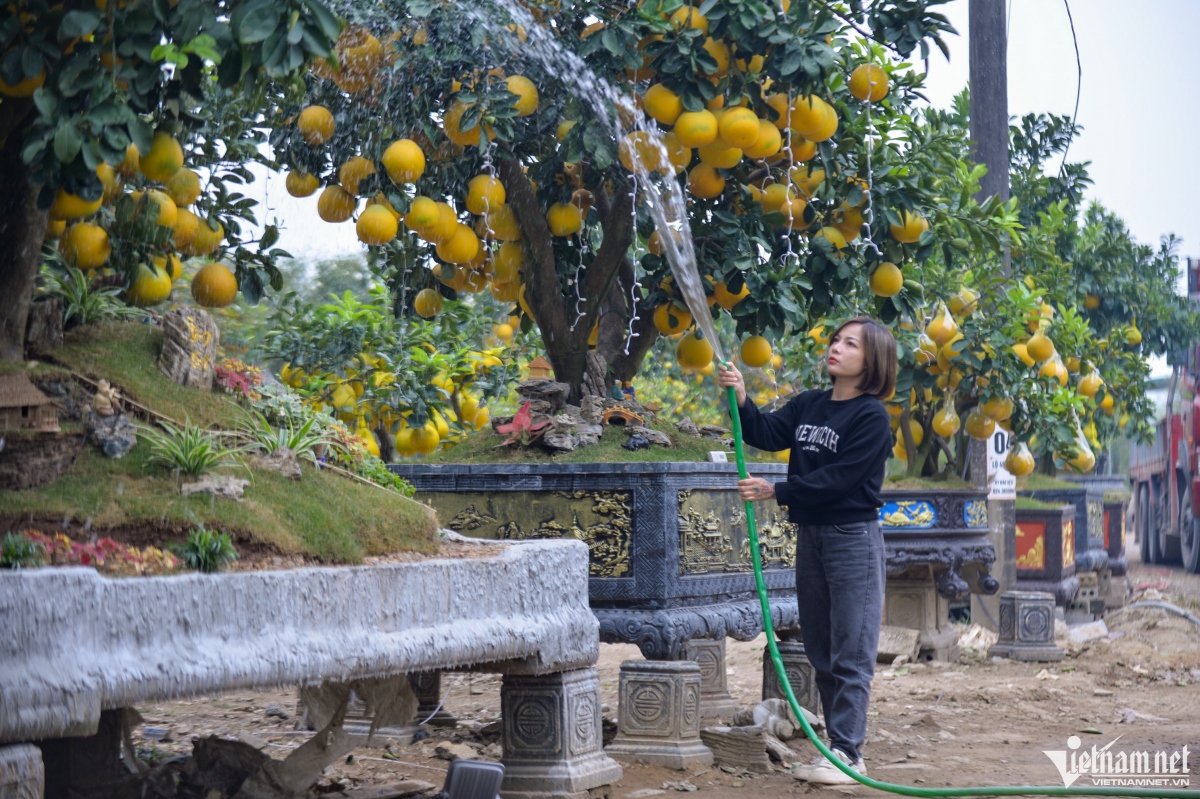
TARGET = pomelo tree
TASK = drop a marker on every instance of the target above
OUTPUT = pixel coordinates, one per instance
(789, 128)
(96, 94)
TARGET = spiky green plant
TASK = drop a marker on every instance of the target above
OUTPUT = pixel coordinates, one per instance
(206, 550)
(17, 551)
(83, 303)
(189, 450)
(302, 440)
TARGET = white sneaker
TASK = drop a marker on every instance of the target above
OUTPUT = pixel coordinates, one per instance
(822, 772)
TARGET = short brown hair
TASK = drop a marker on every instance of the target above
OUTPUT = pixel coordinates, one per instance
(879, 358)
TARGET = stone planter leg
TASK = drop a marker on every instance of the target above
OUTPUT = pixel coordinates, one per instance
(22, 775)
(89, 766)
(715, 700)
(658, 718)
(427, 685)
(1026, 627)
(916, 604)
(551, 736)
(801, 675)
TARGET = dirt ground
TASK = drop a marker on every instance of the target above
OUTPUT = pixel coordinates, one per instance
(974, 722)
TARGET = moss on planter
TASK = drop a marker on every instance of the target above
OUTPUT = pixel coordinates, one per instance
(126, 355)
(1029, 503)
(902, 483)
(322, 516)
(483, 446)
(1041, 482)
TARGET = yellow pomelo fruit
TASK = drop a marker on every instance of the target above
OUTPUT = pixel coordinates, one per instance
(689, 17)
(484, 193)
(461, 248)
(316, 124)
(163, 160)
(564, 219)
(376, 225)
(150, 287)
(767, 144)
(720, 156)
(428, 303)
(422, 214)
(353, 171)
(183, 187)
(705, 182)
(946, 422)
(214, 286)
(756, 352)
(738, 128)
(336, 204)
(696, 128)
(662, 104)
(1019, 462)
(979, 424)
(85, 246)
(301, 184)
(507, 262)
(692, 352)
(404, 161)
(527, 94)
(869, 83)
(887, 280)
(1040, 347)
(671, 318)
(911, 226)
(72, 206)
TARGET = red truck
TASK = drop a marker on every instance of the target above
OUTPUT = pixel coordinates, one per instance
(1166, 475)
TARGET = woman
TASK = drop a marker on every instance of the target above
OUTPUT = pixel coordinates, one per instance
(840, 439)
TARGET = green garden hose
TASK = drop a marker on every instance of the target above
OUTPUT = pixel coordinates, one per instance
(907, 790)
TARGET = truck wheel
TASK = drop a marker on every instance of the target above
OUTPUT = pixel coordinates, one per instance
(1189, 538)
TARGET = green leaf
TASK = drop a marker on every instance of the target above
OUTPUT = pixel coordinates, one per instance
(78, 23)
(108, 113)
(67, 141)
(326, 21)
(258, 23)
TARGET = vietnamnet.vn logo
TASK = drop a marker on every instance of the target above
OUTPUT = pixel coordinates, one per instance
(1162, 768)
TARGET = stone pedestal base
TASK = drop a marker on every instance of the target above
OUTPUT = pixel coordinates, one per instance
(551, 736)
(658, 719)
(1026, 627)
(916, 604)
(715, 700)
(427, 685)
(1118, 593)
(1089, 600)
(22, 775)
(801, 675)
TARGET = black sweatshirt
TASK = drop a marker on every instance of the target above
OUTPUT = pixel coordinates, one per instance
(839, 449)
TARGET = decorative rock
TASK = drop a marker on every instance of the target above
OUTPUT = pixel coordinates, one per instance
(587, 439)
(636, 442)
(743, 747)
(591, 409)
(687, 427)
(586, 429)
(190, 340)
(897, 642)
(44, 331)
(552, 736)
(28, 461)
(1026, 627)
(219, 485)
(658, 718)
(282, 460)
(651, 435)
(390, 790)
(550, 391)
(450, 751)
(22, 775)
(560, 442)
(715, 432)
(275, 711)
(115, 435)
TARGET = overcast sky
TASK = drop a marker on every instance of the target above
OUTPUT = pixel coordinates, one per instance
(1139, 106)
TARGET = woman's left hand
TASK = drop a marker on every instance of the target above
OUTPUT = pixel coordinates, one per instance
(755, 489)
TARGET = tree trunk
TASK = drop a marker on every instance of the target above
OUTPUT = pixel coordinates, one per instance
(21, 235)
(553, 310)
(615, 314)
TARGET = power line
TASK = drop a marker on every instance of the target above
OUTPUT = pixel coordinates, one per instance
(1078, 87)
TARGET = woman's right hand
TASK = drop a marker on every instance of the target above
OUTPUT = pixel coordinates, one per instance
(729, 376)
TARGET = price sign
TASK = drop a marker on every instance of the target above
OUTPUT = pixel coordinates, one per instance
(1001, 483)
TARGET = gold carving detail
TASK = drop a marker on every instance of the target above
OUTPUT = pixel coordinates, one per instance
(911, 513)
(711, 539)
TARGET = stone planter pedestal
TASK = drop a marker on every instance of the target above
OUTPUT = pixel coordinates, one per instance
(801, 675)
(1046, 552)
(715, 699)
(1026, 627)
(658, 720)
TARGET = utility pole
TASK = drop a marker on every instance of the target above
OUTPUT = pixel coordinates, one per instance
(989, 95)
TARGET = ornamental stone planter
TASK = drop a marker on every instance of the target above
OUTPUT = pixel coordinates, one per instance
(1046, 552)
(1114, 538)
(669, 552)
(79, 647)
(1088, 500)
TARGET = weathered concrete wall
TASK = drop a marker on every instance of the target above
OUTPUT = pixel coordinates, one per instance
(76, 643)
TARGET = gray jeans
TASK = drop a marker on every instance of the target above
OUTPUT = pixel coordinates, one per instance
(840, 576)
